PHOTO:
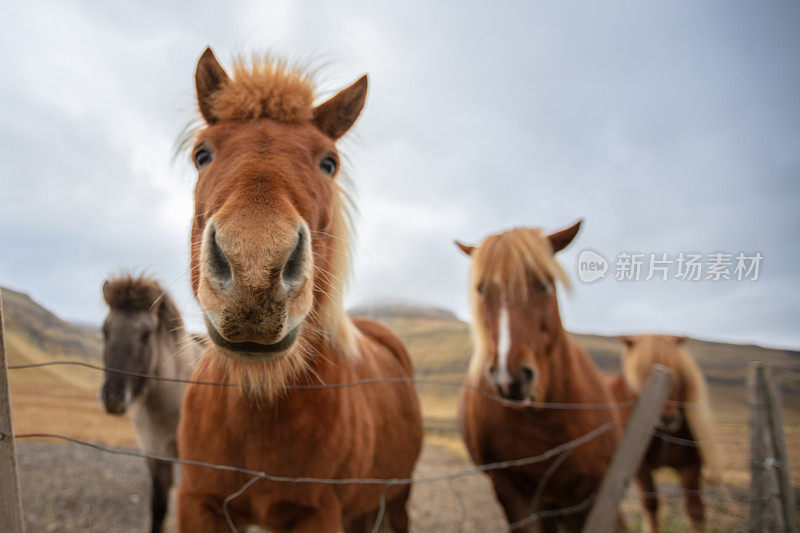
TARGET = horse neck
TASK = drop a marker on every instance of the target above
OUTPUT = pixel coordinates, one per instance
(324, 357)
(169, 359)
(563, 357)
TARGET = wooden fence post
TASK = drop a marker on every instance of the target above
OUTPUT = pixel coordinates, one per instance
(638, 432)
(769, 465)
(10, 495)
(760, 476)
(775, 424)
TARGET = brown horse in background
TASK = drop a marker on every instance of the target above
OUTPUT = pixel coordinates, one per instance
(269, 253)
(144, 334)
(524, 355)
(684, 432)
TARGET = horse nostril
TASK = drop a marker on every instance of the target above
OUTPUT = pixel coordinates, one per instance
(528, 374)
(293, 269)
(220, 267)
(113, 403)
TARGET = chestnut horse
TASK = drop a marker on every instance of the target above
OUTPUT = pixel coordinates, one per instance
(269, 253)
(524, 355)
(684, 432)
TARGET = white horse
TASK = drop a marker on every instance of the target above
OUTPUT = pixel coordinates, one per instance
(145, 335)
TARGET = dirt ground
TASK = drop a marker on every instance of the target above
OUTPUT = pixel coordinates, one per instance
(70, 488)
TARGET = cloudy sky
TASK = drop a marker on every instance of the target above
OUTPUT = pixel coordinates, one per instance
(669, 128)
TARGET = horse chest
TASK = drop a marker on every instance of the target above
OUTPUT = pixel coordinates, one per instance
(155, 420)
(497, 433)
(663, 452)
(281, 437)
(329, 433)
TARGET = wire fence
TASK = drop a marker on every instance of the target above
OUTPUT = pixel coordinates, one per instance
(363, 381)
(255, 475)
(557, 454)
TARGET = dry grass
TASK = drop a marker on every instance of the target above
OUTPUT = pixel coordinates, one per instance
(60, 399)
(63, 399)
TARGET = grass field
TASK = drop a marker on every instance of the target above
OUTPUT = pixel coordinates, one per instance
(440, 346)
(63, 399)
(57, 399)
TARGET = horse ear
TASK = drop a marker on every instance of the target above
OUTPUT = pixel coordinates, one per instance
(106, 292)
(209, 77)
(680, 339)
(626, 340)
(466, 248)
(336, 115)
(561, 239)
(168, 314)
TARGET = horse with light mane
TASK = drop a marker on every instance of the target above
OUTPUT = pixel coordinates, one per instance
(684, 432)
(524, 355)
(144, 335)
(268, 258)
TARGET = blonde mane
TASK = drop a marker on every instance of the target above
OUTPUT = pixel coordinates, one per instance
(508, 261)
(649, 350)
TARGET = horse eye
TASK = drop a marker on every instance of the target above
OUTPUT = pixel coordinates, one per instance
(328, 165)
(145, 336)
(202, 157)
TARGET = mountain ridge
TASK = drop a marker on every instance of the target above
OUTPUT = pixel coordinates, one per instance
(438, 341)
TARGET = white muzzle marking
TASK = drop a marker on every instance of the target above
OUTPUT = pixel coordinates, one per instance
(502, 376)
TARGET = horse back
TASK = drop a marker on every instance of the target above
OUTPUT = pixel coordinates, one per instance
(386, 338)
(622, 395)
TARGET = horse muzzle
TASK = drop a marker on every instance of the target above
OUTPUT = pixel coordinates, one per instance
(669, 423)
(113, 404)
(251, 349)
(518, 387)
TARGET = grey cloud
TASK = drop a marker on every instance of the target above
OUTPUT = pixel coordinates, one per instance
(669, 128)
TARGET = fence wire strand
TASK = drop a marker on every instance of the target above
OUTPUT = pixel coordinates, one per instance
(552, 452)
(363, 381)
(233, 496)
(559, 453)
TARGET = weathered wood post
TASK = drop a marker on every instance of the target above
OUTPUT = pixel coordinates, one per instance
(775, 425)
(638, 432)
(772, 500)
(10, 495)
(760, 482)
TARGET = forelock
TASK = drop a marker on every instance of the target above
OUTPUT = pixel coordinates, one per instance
(512, 258)
(129, 293)
(265, 88)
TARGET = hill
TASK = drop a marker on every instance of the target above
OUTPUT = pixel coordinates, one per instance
(440, 344)
(63, 399)
(47, 332)
(57, 399)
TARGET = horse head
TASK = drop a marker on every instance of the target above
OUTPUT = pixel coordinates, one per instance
(270, 227)
(515, 309)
